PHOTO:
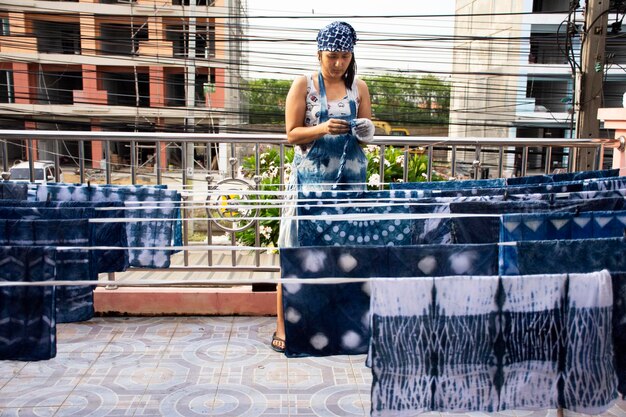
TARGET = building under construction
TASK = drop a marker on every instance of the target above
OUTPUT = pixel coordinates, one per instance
(120, 65)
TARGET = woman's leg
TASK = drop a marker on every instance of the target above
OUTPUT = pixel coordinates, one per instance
(278, 340)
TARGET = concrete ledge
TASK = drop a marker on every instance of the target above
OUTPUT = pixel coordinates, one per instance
(184, 301)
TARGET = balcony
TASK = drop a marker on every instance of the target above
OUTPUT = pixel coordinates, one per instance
(200, 365)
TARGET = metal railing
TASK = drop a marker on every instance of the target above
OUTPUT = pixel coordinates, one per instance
(445, 158)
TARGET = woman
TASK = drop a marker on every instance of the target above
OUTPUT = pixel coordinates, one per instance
(327, 115)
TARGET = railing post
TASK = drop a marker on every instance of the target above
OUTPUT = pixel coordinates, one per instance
(524, 161)
(453, 162)
(476, 163)
(381, 168)
(107, 161)
(572, 160)
(405, 168)
(133, 162)
(31, 160)
(81, 160)
(184, 212)
(5, 156)
(429, 174)
(57, 162)
(159, 179)
(500, 161)
(548, 167)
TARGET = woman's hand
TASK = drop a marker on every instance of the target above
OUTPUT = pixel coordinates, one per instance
(364, 130)
(337, 126)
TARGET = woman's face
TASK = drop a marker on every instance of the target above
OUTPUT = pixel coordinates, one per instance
(334, 64)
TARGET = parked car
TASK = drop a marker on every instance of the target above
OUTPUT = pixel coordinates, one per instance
(44, 172)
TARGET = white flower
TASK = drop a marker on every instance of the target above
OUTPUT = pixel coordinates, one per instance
(371, 148)
(387, 163)
(400, 159)
(265, 231)
(374, 180)
(424, 175)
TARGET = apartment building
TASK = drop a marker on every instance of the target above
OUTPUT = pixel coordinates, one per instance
(120, 65)
(513, 70)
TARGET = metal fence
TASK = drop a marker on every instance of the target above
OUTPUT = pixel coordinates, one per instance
(217, 170)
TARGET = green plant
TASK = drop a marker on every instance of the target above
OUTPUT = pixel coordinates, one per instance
(269, 169)
(394, 166)
(269, 163)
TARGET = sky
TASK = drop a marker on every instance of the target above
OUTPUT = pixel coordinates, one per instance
(389, 40)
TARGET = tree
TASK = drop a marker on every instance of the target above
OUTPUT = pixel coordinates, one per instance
(397, 99)
(409, 99)
(266, 99)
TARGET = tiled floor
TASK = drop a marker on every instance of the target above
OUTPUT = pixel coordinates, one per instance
(188, 366)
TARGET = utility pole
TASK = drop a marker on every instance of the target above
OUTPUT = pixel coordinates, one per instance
(190, 90)
(590, 79)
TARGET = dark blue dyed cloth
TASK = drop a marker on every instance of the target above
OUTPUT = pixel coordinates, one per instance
(487, 229)
(74, 303)
(580, 256)
(448, 185)
(13, 190)
(619, 327)
(102, 234)
(333, 319)
(560, 225)
(567, 176)
(555, 256)
(366, 231)
(460, 344)
(27, 314)
(144, 202)
(604, 184)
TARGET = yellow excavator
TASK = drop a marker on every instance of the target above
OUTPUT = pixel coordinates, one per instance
(388, 129)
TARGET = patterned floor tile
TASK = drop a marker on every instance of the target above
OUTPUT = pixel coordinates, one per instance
(114, 363)
(192, 400)
(11, 368)
(64, 364)
(204, 327)
(36, 392)
(29, 412)
(339, 400)
(99, 400)
(192, 366)
(239, 400)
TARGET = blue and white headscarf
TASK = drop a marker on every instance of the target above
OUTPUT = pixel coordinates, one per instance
(336, 37)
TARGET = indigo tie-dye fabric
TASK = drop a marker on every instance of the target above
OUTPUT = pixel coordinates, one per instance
(333, 319)
(111, 234)
(365, 231)
(580, 256)
(619, 327)
(503, 182)
(566, 176)
(487, 229)
(74, 303)
(502, 343)
(559, 225)
(144, 202)
(13, 190)
(27, 314)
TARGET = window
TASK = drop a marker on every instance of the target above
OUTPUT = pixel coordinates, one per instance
(57, 37)
(58, 87)
(117, 39)
(205, 40)
(4, 26)
(7, 93)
